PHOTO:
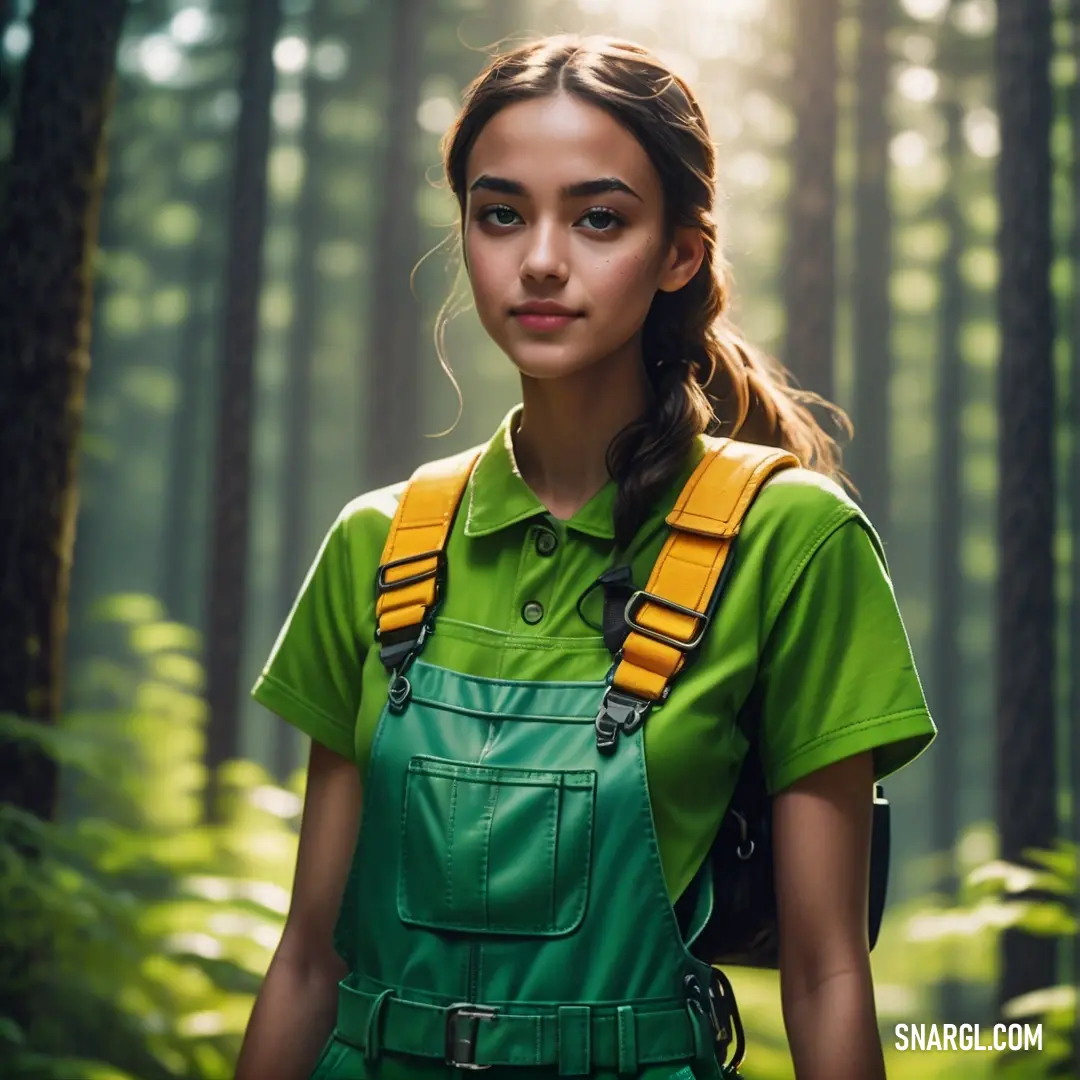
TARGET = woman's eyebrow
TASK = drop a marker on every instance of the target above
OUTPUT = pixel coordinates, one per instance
(600, 186)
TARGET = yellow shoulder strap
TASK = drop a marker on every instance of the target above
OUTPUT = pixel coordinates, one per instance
(669, 616)
(414, 554)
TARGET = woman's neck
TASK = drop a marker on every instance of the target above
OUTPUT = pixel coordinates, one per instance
(566, 426)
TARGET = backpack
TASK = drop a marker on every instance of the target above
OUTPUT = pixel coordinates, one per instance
(653, 633)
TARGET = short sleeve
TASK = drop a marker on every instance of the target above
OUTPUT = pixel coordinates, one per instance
(312, 678)
(837, 676)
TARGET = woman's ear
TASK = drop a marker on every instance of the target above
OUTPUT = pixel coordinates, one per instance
(683, 259)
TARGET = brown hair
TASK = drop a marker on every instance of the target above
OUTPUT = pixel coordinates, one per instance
(688, 343)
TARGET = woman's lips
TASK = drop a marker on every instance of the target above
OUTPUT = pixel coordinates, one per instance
(543, 322)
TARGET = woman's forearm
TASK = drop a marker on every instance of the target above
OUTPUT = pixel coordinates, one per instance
(832, 1029)
(292, 1019)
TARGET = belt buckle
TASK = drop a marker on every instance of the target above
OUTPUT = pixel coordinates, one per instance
(465, 1044)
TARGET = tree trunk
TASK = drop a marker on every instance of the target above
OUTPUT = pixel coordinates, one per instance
(392, 432)
(7, 17)
(947, 574)
(873, 265)
(47, 241)
(7, 82)
(301, 346)
(1026, 779)
(1074, 503)
(177, 541)
(183, 533)
(231, 477)
(810, 264)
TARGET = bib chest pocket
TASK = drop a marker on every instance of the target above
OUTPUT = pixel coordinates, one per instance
(493, 849)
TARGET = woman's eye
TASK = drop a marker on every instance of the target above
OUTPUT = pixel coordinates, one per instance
(602, 220)
(501, 215)
(598, 220)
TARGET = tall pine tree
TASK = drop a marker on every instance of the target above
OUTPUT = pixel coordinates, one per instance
(392, 444)
(227, 591)
(1026, 779)
(810, 261)
(47, 240)
(873, 264)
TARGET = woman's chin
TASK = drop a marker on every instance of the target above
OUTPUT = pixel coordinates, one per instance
(550, 367)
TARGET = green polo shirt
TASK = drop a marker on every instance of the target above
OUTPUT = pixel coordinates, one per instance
(808, 643)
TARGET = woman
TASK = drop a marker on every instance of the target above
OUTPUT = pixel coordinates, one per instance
(509, 901)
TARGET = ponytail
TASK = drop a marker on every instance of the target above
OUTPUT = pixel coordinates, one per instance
(706, 378)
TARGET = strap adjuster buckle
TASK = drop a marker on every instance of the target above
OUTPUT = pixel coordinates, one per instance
(382, 585)
(461, 1046)
(398, 647)
(641, 597)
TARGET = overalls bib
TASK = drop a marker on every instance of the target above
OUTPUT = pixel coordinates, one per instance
(507, 905)
(506, 908)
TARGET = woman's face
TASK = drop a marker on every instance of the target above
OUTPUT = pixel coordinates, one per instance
(565, 213)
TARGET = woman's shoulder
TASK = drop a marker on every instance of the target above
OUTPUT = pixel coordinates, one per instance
(802, 495)
(364, 521)
(363, 525)
(373, 511)
(791, 495)
(795, 513)
(802, 526)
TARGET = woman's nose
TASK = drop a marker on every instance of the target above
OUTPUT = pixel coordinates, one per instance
(546, 255)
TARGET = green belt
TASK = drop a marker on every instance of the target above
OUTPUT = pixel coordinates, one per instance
(576, 1038)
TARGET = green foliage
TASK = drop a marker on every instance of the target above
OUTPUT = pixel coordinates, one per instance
(996, 895)
(135, 933)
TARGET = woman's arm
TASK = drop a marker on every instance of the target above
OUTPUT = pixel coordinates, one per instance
(821, 838)
(294, 1012)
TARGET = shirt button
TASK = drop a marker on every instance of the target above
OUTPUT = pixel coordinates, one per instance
(546, 542)
(532, 612)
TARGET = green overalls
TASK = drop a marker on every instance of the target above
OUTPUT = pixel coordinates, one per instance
(506, 905)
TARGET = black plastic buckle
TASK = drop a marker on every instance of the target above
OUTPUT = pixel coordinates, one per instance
(461, 1048)
(724, 1013)
(619, 711)
(398, 654)
(382, 585)
(642, 597)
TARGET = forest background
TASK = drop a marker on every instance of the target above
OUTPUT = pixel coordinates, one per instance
(209, 213)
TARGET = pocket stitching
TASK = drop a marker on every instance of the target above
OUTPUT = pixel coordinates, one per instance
(450, 845)
(446, 769)
(583, 781)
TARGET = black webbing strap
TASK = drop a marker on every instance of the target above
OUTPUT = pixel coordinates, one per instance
(618, 586)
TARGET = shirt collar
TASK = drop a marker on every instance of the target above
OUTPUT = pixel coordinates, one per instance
(499, 497)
